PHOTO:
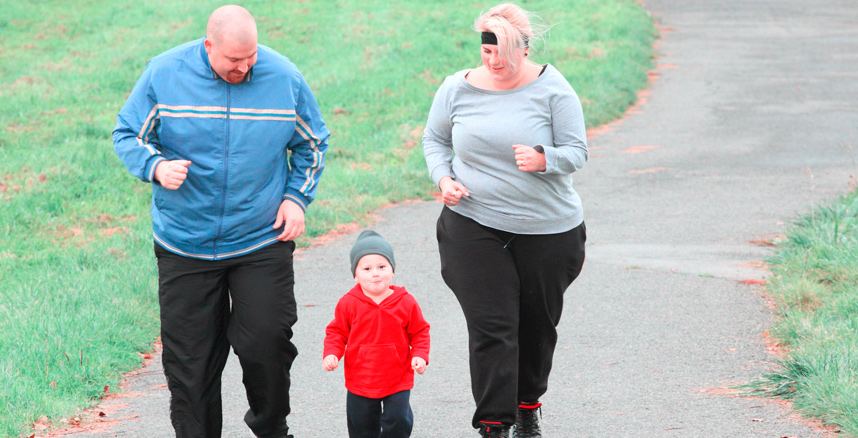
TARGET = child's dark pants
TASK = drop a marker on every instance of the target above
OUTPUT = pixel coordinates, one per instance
(246, 302)
(367, 419)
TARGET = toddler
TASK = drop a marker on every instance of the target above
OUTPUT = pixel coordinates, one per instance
(381, 331)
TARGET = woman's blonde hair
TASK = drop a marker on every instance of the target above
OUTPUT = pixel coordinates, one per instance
(512, 26)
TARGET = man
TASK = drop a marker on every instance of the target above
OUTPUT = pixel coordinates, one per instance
(231, 138)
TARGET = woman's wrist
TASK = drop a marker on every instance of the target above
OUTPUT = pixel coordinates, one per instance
(442, 181)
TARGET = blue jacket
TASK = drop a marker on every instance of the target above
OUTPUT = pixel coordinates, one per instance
(252, 145)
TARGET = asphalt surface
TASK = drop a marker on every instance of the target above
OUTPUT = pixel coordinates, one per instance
(751, 120)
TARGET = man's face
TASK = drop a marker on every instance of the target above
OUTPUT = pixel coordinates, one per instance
(231, 60)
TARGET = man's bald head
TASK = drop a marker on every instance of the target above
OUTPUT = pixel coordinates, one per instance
(231, 42)
(231, 22)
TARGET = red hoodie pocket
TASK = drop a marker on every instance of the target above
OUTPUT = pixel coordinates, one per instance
(378, 366)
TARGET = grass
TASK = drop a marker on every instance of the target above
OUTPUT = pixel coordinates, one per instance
(78, 296)
(815, 289)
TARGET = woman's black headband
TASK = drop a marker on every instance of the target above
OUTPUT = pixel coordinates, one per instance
(491, 38)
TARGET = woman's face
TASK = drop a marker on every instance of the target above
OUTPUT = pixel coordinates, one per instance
(499, 67)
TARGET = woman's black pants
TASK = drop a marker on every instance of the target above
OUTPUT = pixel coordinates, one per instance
(246, 302)
(510, 287)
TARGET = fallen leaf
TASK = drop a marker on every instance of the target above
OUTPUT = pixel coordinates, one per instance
(638, 149)
(108, 232)
(753, 281)
(42, 423)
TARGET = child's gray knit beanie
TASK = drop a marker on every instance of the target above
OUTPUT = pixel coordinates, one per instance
(370, 242)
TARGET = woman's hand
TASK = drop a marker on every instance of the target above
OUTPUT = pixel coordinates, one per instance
(528, 159)
(451, 191)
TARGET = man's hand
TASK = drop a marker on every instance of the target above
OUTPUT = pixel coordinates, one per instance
(528, 159)
(330, 362)
(418, 364)
(171, 174)
(291, 217)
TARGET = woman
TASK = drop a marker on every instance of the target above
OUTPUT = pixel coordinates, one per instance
(502, 141)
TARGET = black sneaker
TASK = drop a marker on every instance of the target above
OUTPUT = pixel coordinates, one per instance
(526, 423)
(493, 430)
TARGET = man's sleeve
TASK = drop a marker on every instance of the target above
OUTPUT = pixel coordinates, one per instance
(307, 146)
(135, 138)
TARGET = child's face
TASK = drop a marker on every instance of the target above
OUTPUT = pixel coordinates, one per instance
(374, 274)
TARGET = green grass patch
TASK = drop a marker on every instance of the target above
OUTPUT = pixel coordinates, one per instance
(815, 288)
(78, 298)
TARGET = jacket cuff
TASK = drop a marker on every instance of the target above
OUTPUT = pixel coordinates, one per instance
(336, 352)
(149, 174)
(421, 354)
(296, 197)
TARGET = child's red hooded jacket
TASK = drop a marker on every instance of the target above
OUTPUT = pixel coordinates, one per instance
(378, 340)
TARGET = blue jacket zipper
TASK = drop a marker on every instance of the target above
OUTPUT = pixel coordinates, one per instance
(225, 170)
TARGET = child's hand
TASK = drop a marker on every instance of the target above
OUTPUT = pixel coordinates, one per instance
(330, 362)
(418, 364)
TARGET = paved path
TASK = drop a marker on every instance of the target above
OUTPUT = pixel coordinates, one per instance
(751, 121)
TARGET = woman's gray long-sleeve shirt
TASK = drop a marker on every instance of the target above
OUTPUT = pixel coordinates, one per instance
(469, 137)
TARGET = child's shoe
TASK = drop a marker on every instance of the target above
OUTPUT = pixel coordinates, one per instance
(526, 423)
(492, 429)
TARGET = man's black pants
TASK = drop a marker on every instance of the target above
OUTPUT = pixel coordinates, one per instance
(367, 419)
(510, 287)
(246, 302)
